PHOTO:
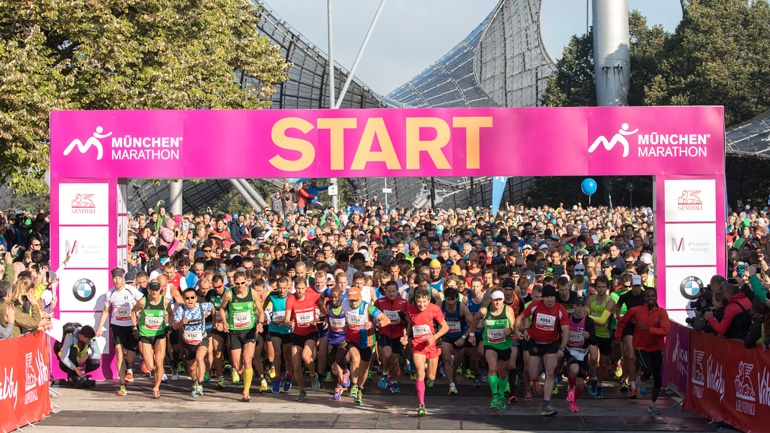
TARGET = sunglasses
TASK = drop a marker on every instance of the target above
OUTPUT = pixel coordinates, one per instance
(239, 283)
(155, 290)
(188, 298)
(207, 250)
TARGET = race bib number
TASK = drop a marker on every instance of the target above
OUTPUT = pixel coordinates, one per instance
(454, 326)
(278, 316)
(355, 319)
(123, 314)
(153, 323)
(337, 324)
(242, 320)
(545, 322)
(393, 316)
(421, 330)
(304, 319)
(576, 338)
(193, 338)
(496, 335)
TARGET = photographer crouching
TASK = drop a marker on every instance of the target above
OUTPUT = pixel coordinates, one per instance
(78, 355)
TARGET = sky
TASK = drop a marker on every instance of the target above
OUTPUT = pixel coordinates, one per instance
(412, 34)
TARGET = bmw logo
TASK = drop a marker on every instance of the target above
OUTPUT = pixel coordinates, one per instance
(691, 287)
(84, 290)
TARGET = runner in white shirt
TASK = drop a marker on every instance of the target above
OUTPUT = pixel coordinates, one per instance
(118, 303)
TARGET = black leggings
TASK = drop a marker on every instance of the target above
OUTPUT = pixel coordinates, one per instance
(652, 366)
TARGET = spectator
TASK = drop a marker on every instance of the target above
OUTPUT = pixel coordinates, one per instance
(737, 316)
(7, 310)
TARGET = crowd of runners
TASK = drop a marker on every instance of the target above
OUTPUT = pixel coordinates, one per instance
(456, 298)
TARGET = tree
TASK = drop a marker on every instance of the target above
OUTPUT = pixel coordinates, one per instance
(123, 54)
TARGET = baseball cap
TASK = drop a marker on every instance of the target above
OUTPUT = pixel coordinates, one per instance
(636, 280)
(606, 263)
(455, 269)
(508, 282)
(580, 300)
(293, 243)
(580, 269)
(497, 295)
(549, 290)
(130, 276)
(646, 258)
(154, 285)
(354, 294)
(539, 269)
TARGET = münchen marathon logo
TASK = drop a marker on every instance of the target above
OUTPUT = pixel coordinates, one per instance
(84, 290)
(691, 287)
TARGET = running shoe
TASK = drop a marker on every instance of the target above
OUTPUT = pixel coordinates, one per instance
(369, 376)
(459, 370)
(346, 379)
(271, 371)
(624, 386)
(653, 409)
(421, 411)
(528, 396)
(194, 392)
(122, 391)
(329, 377)
(573, 407)
(287, 383)
(413, 375)
(354, 392)
(469, 374)
(592, 384)
(164, 379)
(129, 375)
(263, 385)
(453, 389)
(493, 402)
(245, 398)
(619, 371)
(359, 398)
(476, 382)
(571, 395)
(383, 382)
(337, 393)
(507, 387)
(145, 370)
(538, 389)
(501, 406)
(555, 390)
(315, 384)
(302, 395)
(634, 393)
(235, 376)
(221, 383)
(276, 385)
(548, 410)
(206, 377)
(599, 394)
(429, 383)
(512, 400)
(394, 388)
(174, 374)
(484, 376)
(642, 388)
(199, 389)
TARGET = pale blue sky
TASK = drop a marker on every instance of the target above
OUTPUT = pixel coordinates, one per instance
(412, 34)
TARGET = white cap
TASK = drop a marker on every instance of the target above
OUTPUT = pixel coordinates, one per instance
(636, 280)
(646, 258)
(580, 269)
(497, 295)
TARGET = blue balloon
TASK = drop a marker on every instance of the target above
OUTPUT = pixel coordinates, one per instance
(588, 186)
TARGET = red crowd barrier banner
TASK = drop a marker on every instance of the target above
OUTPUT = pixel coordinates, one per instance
(24, 380)
(676, 366)
(728, 382)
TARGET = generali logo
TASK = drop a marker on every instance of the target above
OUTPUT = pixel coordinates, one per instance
(82, 204)
(689, 200)
(744, 390)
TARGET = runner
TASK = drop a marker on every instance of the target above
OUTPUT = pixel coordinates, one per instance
(303, 313)
(241, 308)
(498, 321)
(118, 303)
(580, 347)
(153, 312)
(652, 326)
(336, 322)
(632, 298)
(190, 318)
(601, 307)
(390, 338)
(218, 334)
(474, 349)
(458, 320)
(280, 335)
(423, 317)
(548, 319)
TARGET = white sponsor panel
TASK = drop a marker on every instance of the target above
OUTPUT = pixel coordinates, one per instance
(684, 284)
(89, 246)
(690, 200)
(122, 195)
(83, 290)
(691, 244)
(83, 203)
(93, 320)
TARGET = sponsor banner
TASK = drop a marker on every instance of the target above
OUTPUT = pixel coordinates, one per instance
(692, 244)
(684, 284)
(388, 142)
(677, 364)
(690, 200)
(24, 380)
(83, 203)
(728, 382)
(89, 246)
(83, 289)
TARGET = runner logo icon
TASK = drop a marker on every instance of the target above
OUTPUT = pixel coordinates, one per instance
(619, 138)
(92, 141)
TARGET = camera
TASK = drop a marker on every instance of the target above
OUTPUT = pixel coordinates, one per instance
(701, 305)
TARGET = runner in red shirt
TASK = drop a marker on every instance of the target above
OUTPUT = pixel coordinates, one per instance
(389, 343)
(423, 316)
(303, 311)
(547, 317)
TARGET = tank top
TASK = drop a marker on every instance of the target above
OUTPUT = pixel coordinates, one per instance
(216, 301)
(577, 343)
(336, 324)
(457, 325)
(240, 312)
(602, 331)
(152, 318)
(277, 307)
(474, 308)
(494, 330)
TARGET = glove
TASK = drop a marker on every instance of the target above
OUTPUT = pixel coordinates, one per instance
(137, 335)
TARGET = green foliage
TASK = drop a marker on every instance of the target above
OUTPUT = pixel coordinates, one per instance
(122, 54)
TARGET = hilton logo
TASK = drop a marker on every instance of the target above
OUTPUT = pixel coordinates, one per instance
(84, 290)
(689, 200)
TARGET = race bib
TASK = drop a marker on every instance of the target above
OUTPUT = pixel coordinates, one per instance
(153, 323)
(122, 314)
(337, 324)
(496, 335)
(278, 316)
(545, 322)
(193, 338)
(355, 319)
(304, 319)
(576, 338)
(480, 326)
(393, 316)
(242, 320)
(421, 330)
(454, 326)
